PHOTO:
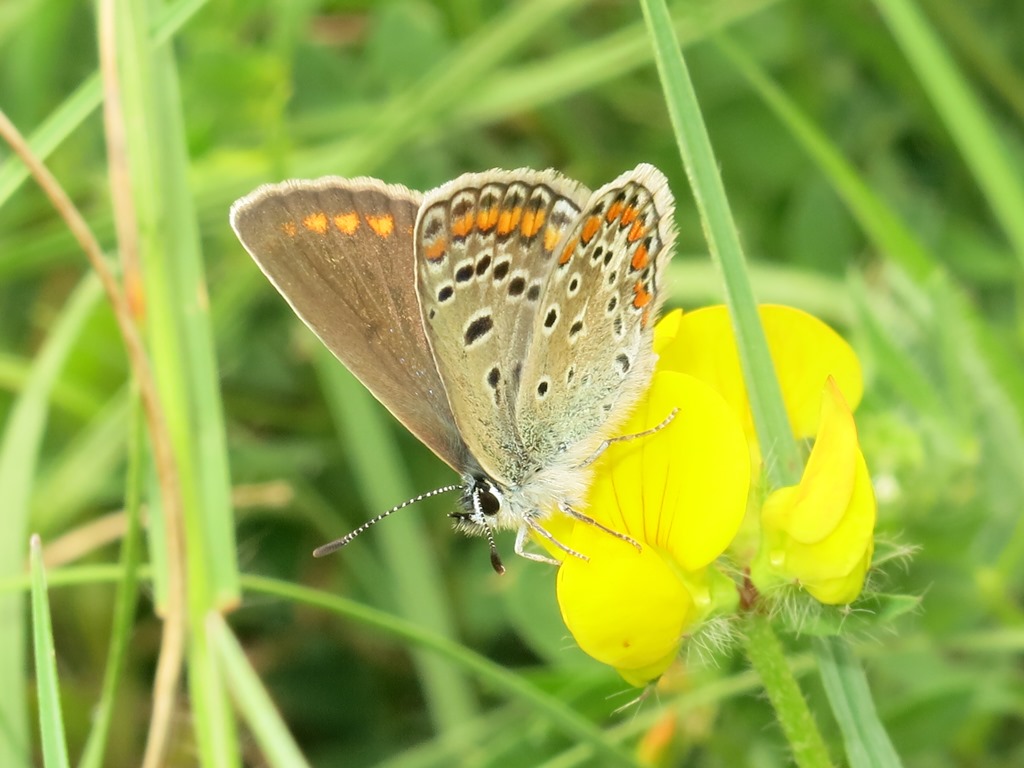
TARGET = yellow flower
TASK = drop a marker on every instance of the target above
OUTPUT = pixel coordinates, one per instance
(820, 532)
(681, 494)
(804, 350)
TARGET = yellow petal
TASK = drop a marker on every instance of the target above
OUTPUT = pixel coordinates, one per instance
(844, 589)
(839, 553)
(639, 678)
(681, 493)
(684, 488)
(804, 350)
(827, 484)
(666, 331)
(624, 608)
(701, 344)
(819, 532)
(831, 568)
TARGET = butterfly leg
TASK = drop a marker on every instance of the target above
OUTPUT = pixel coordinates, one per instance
(624, 438)
(566, 509)
(530, 524)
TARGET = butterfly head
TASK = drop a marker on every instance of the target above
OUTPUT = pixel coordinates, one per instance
(482, 503)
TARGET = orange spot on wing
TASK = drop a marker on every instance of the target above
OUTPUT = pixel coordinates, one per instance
(463, 226)
(629, 215)
(590, 229)
(614, 211)
(551, 236)
(486, 219)
(289, 228)
(347, 223)
(436, 250)
(645, 317)
(316, 222)
(640, 259)
(532, 222)
(508, 219)
(641, 296)
(568, 251)
(637, 231)
(383, 225)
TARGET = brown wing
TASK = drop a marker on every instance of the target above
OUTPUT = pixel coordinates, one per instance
(340, 251)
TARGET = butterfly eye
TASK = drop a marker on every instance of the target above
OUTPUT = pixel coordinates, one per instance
(485, 495)
(481, 499)
(490, 499)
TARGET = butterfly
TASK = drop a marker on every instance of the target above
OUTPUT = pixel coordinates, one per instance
(505, 318)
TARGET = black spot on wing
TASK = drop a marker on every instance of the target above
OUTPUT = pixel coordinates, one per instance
(478, 329)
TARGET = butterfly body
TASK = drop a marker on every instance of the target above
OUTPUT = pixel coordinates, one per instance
(505, 317)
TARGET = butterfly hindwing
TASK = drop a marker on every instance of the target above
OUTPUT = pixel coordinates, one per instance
(485, 246)
(590, 351)
(341, 252)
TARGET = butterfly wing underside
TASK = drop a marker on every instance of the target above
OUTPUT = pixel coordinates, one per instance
(340, 251)
(485, 245)
(590, 351)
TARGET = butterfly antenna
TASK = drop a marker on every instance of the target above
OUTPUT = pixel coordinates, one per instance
(496, 563)
(337, 544)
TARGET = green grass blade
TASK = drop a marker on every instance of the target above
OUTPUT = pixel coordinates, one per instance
(992, 374)
(867, 743)
(496, 677)
(83, 101)
(695, 282)
(251, 698)
(127, 597)
(770, 418)
(71, 575)
(443, 87)
(66, 398)
(420, 592)
(19, 453)
(964, 115)
(76, 479)
(959, 26)
(182, 351)
(888, 232)
(177, 309)
(51, 721)
(592, 63)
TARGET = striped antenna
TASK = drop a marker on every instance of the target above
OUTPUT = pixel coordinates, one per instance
(337, 544)
(496, 563)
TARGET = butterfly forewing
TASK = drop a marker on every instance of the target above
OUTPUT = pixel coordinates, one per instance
(341, 252)
(485, 246)
(589, 355)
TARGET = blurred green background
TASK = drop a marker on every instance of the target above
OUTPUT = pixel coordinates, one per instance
(417, 93)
